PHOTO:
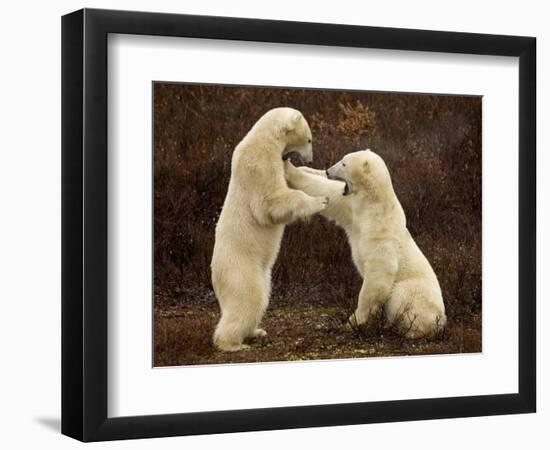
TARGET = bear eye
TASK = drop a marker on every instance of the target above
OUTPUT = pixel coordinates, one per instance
(309, 141)
(343, 164)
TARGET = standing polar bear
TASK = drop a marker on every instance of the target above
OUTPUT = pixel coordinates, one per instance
(257, 206)
(395, 273)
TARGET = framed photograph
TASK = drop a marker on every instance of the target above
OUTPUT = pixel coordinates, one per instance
(273, 224)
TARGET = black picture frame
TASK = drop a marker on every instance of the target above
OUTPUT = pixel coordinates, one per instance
(84, 224)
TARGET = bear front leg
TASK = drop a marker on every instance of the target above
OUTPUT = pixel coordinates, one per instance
(372, 296)
(378, 281)
(315, 183)
(292, 205)
(312, 171)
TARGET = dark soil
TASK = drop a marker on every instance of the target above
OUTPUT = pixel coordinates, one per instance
(183, 336)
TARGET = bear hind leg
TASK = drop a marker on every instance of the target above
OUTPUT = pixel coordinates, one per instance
(241, 315)
(265, 282)
(412, 309)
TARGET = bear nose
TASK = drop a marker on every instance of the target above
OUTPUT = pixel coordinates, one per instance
(328, 174)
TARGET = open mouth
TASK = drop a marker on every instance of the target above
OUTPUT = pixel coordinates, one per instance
(334, 177)
(295, 157)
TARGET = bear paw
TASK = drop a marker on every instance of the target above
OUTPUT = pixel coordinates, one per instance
(259, 333)
(233, 347)
(356, 320)
(318, 204)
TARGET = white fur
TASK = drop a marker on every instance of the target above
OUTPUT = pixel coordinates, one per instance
(395, 272)
(257, 206)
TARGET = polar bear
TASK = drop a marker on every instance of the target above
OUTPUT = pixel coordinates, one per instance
(396, 274)
(257, 206)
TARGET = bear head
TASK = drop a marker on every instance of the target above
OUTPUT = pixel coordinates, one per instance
(295, 132)
(362, 172)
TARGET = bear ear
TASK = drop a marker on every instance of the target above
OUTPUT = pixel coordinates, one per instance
(292, 121)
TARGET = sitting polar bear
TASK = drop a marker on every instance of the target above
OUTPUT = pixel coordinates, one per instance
(395, 273)
(248, 234)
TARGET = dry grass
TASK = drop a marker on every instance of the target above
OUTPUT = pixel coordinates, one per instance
(432, 146)
(300, 332)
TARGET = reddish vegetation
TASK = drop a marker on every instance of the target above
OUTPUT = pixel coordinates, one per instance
(432, 146)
